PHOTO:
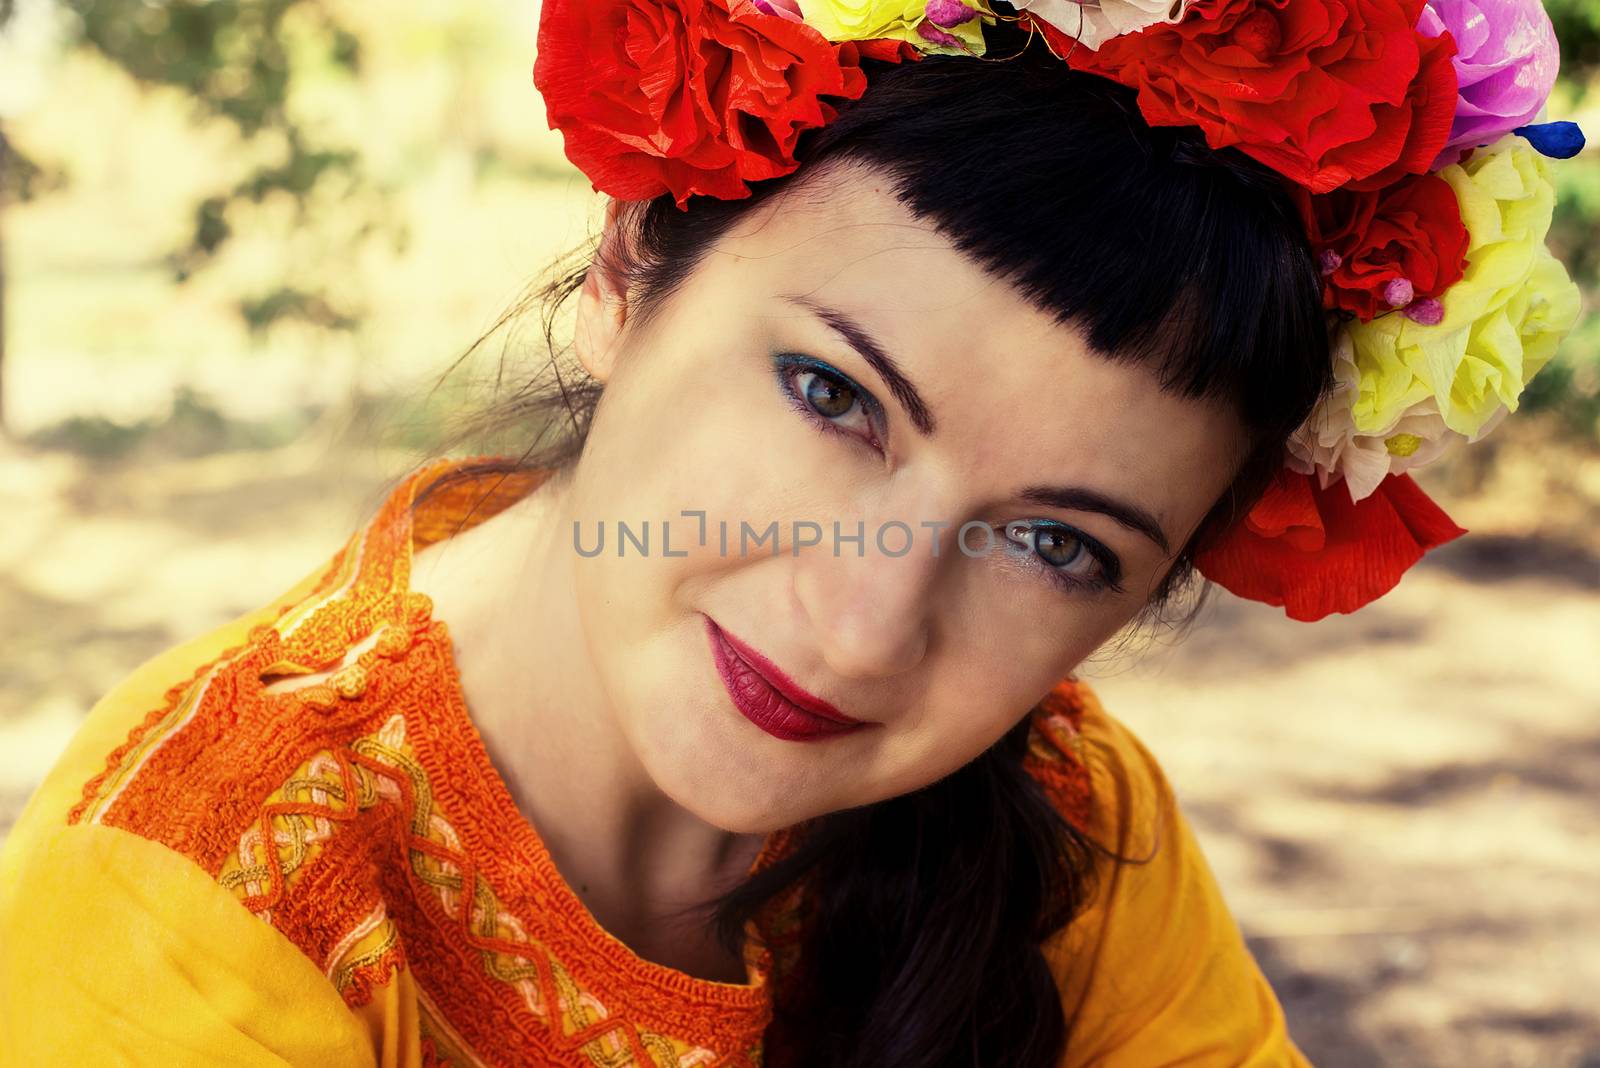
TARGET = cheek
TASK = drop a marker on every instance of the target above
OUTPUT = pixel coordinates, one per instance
(1011, 633)
(686, 417)
(979, 692)
(694, 424)
(678, 430)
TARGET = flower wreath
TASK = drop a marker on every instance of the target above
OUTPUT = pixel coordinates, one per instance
(1407, 131)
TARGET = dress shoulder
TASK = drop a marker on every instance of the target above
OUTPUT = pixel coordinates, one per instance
(190, 751)
(1154, 969)
(118, 717)
(115, 949)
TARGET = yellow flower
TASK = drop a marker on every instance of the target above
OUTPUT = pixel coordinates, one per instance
(866, 20)
(1329, 446)
(1502, 321)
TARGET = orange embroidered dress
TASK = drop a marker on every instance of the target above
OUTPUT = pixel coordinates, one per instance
(218, 873)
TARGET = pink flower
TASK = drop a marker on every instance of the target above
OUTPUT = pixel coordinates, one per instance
(784, 9)
(1506, 64)
(950, 12)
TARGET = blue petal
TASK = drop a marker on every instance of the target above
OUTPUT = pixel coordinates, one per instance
(1558, 140)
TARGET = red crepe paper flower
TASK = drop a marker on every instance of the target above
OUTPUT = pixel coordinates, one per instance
(1314, 551)
(1325, 92)
(691, 97)
(1381, 250)
(885, 50)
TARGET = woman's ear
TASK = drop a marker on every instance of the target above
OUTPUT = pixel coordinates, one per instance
(603, 301)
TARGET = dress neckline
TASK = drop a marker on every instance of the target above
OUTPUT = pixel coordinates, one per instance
(367, 594)
(512, 855)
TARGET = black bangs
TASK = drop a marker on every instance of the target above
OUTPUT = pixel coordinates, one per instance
(1160, 249)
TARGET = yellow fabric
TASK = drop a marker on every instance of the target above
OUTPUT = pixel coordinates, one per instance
(1155, 971)
(117, 951)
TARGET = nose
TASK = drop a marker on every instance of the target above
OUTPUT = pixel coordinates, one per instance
(870, 610)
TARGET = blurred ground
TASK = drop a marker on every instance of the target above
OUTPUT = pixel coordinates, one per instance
(1401, 804)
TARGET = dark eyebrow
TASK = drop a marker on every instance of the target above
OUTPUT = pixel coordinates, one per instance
(1086, 500)
(857, 337)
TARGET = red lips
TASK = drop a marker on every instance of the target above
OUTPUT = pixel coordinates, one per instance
(769, 698)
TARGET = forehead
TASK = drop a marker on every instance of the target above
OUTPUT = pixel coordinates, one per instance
(1018, 395)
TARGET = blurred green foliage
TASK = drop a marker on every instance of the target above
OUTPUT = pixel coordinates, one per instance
(194, 427)
(1569, 386)
(1577, 24)
(22, 178)
(239, 60)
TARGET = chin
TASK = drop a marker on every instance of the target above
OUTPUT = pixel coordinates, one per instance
(725, 771)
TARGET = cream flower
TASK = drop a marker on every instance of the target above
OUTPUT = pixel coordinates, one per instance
(902, 20)
(1095, 22)
(1499, 325)
(1329, 445)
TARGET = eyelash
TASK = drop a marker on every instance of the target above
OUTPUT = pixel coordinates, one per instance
(788, 366)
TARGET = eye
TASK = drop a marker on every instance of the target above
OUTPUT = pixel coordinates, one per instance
(1067, 555)
(828, 397)
(1060, 549)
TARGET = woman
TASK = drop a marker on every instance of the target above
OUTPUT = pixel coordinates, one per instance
(734, 722)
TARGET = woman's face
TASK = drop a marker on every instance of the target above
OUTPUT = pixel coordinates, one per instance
(835, 360)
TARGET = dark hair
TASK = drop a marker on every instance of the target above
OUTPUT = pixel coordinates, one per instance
(927, 911)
